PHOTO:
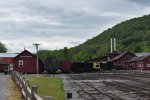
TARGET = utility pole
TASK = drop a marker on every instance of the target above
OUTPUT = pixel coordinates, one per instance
(37, 61)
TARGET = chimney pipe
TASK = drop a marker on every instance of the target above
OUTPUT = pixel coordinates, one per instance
(114, 44)
(111, 43)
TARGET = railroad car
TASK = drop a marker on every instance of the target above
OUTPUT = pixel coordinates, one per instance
(88, 67)
(52, 65)
(78, 67)
(65, 66)
(106, 65)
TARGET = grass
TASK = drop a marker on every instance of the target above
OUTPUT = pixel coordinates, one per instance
(48, 86)
(15, 93)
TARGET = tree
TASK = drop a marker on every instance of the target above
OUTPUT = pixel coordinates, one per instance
(65, 53)
(137, 48)
(3, 49)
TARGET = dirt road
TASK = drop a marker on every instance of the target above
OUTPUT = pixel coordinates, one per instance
(4, 88)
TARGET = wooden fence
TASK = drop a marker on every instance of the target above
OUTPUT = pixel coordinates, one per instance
(28, 92)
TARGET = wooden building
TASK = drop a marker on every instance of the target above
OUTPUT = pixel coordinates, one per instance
(26, 62)
(3, 66)
(6, 60)
(140, 63)
(121, 61)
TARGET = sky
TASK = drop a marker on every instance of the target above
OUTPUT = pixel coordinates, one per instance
(56, 24)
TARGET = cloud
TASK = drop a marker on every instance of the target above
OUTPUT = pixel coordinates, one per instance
(59, 23)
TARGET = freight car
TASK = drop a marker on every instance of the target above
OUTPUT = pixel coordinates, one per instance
(65, 66)
(52, 65)
(80, 67)
(108, 65)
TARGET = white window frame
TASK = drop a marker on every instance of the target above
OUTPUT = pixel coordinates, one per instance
(20, 63)
(147, 65)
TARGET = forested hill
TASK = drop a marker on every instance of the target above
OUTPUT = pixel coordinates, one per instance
(132, 35)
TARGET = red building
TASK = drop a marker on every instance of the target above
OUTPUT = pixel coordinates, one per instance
(26, 62)
(7, 60)
(121, 61)
(140, 63)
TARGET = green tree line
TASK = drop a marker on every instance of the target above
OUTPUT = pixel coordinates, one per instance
(132, 35)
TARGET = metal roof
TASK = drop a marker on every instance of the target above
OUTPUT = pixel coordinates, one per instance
(12, 55)
(121, 55)
(142, 54)
(138, 58)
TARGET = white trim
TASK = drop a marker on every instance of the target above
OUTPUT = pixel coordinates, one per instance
(20, 63)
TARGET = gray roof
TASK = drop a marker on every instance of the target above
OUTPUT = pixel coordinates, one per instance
(12, 55)
(142, 54)
(138, 58)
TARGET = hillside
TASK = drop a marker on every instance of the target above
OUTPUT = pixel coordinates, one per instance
(132, 35)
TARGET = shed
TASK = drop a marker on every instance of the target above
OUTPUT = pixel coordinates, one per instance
(7, 59)
(140, 63)
(26, 62)
(121, 61)
(3, 65)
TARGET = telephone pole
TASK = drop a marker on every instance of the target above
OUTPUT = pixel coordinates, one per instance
(37, 61)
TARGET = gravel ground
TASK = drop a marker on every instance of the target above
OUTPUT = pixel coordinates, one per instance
(4, 87)
(69, 89)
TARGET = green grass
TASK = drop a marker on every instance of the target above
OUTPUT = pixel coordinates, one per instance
(48, 86)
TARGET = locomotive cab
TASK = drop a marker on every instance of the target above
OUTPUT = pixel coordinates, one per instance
(96, 65)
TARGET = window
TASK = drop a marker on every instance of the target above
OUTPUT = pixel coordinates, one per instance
(148, 65)
(20, 63)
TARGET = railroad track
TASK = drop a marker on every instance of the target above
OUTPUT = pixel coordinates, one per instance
(143, 92)
(94, 92)
(132, 78)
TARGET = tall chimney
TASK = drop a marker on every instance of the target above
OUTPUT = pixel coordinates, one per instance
(114, 44)
(111, 43)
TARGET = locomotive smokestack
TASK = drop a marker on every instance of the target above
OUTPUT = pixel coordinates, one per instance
(114, 44)
(111, 43)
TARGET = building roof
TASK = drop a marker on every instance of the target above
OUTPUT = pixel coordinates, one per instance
(25, 51)
(142, 54)
(138, 58)
(121, 55)
(12, 55)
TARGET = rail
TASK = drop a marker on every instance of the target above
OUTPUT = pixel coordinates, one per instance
(99, 91)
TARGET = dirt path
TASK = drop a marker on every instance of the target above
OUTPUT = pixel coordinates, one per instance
(15, 93)
(4, 87)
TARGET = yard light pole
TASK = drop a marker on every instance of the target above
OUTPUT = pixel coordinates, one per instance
(37, 61)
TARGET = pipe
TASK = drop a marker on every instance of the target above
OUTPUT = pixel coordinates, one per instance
(114, 43)
(111, 43)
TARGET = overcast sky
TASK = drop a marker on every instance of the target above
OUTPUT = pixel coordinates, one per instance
(59, 23)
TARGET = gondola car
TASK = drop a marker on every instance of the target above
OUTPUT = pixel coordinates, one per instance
(78, 67)
(52, 65)
(108, 65)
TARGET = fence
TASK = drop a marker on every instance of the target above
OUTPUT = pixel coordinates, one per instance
(28, 92)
